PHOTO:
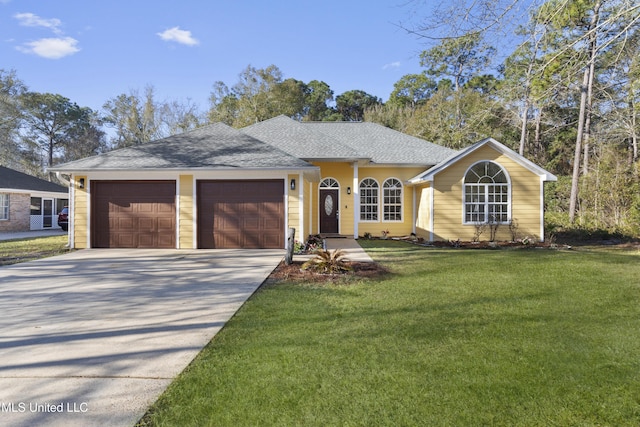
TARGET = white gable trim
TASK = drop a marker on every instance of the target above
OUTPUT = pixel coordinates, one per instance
(429, 175)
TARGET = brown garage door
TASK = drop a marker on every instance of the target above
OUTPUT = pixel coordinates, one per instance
(241, 214)
(133, 214)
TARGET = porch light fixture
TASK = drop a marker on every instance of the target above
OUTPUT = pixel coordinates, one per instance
(348, 190)
(81, 184)
(293, 184)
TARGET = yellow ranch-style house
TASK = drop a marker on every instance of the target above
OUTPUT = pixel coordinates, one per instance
(219, 187)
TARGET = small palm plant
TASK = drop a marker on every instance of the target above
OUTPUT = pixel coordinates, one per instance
(328, 262)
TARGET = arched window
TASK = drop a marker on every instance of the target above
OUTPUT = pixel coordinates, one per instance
(392, 200)
(487, 194)
(369, 199)
(329, 183)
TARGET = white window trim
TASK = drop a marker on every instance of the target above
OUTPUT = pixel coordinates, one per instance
(5, 203)
(383, 204)
(360, 190)
(485, 186)
(329, 183)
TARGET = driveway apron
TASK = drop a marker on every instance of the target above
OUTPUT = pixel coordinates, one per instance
(93, 337)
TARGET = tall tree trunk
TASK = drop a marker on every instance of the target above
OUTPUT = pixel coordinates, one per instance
(537, 137)
(634, 134)
(593, 51)
(573, 198)
(523, 128)
(585, 88)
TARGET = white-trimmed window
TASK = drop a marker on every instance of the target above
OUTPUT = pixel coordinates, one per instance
(487, 194)
(329, 183)
(369, 195)
(392, 200)
(4, 206)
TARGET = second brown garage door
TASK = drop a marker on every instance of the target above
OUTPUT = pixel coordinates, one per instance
(241, 214)
(133, 214)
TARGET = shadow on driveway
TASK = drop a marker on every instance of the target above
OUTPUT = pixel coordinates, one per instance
(100, 334)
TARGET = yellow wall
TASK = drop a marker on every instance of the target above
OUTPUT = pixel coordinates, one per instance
(81, 213)
(423, 208)
(448, 207)
(343, 173)
(293, 209)
(395, 228)
(185, 198)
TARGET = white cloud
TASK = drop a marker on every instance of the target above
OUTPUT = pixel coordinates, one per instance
(32, 20)
(51, 48)
(177, 35)
(391, 65)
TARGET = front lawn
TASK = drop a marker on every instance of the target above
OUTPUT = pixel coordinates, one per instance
(21, 250)
(448, 338)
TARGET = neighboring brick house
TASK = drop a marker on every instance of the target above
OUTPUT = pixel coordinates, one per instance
(29, 203)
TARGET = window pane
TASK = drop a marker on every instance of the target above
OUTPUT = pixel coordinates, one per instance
(368, 200)
(36, 205)
(392, 200)
(4, 206)
(486, 194)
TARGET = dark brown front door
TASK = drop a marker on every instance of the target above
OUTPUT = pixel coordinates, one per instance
(241, 214)
(328, 211)
(133, 214)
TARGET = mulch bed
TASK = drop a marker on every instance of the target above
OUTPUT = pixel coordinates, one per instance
(295, 273)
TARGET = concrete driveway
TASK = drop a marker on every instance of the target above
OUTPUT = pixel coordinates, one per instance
(91, 338)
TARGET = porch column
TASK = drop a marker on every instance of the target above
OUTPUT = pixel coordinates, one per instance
(356, 199)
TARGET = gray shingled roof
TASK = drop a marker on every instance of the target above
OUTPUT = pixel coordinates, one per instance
(347, 141)
(300, 140)
(12, 179)
(382, 144)
(217, 146)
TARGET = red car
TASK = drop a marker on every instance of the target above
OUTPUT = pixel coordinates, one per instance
(63, 218)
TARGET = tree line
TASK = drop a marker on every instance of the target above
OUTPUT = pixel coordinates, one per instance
(567, 97)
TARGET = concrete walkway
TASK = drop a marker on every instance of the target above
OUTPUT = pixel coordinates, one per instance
(353, 250)
(93, 337)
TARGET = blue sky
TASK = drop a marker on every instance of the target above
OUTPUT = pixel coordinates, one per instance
(91, 51)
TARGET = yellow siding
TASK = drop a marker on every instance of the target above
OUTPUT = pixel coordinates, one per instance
(395, 228)
(185, 200)
(448, 207)
(423, 207)
(293, 210)
(343, 173)
(80, 213)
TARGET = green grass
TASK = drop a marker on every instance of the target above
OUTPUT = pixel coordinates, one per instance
(20, 250)
(450, 338)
